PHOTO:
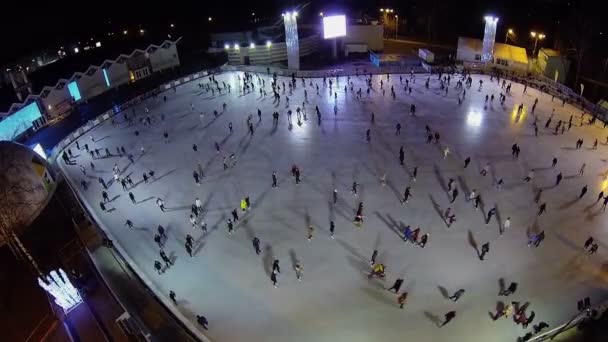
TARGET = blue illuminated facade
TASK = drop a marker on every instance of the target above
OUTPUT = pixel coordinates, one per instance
(105, 77)
(19, 122)
(74, 91)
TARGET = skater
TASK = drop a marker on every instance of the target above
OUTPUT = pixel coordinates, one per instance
(310, 233)
(583, 192)
(132, 197)
(491, 213)
(450, 183)
(529, 177)
(298, 269)
(273, 278)
(446, 152)
(401, 299)
(582, 169)
(161, 232)
(353, 189)
(102, 182)
(335, 196)
(396, 285)
(202, 321)
(188, 249)
(230, 226)
(542, 209)
(485, 169)
(275, 266)
(398, 129)
(235, 215)
(510, 290)
(456, 296)
(454, 195)
(558, 179)
(423, 240)
(160, 203)
(505, 226)
(256, 245)
(401, 155)
(448, 316)
(466, 162)
(554, 163)
(605, 203)
(165, 258)
(332, 227)
(158, 266)
(105, 196)
(485, 248)
(406, 195)
(172, 297)
(588, 243)
(274, 179)
(373, 259)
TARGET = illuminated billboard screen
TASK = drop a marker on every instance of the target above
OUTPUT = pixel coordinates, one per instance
(20, 121)
(74, 91)
(334, 26)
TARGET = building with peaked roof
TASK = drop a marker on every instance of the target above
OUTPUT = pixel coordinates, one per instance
(84, 83)
(506, 56)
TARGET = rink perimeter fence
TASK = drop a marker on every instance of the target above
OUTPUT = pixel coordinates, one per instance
(539, 82)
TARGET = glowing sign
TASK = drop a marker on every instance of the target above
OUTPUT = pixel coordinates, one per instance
(74, 91)
(105, 77)
(58, 285)
(20, 121)
(334, 26)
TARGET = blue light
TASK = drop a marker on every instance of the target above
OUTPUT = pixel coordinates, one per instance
(105, 77)
(74, 91)
(20, 121)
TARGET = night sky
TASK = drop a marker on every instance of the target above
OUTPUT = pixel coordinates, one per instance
(47, 25)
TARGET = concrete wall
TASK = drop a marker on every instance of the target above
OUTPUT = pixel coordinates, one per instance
(56, 101)
(93, 85)
(372, 35)
(118, 74)
(164, 58)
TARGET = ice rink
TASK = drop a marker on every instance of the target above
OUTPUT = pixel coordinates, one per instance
(335, 301)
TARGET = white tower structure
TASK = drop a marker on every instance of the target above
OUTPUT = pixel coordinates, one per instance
(291, 40)
(489, 37)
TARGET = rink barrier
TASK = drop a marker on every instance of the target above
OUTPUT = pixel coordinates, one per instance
(124, 257)
(70, 138)
(119, 251)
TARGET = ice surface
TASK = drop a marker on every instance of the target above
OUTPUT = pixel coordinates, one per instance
(335, 301)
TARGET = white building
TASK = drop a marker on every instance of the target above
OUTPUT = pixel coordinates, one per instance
(506, 56)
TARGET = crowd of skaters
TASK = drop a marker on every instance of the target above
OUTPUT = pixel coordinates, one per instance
(416, 236)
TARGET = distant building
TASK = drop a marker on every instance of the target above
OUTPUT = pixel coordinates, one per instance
(551, 64)
(506, 56)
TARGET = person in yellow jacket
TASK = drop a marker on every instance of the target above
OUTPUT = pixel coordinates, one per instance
(508, 311)
(377, 270)
(243, 205)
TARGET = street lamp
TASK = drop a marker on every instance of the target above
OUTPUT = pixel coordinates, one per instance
(510, 32)
(396, 25)
(536, 37)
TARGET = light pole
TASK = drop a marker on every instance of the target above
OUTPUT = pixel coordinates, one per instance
(536, 37)
(509, 33)
(396, 26)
